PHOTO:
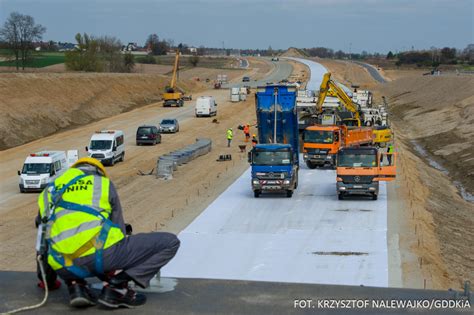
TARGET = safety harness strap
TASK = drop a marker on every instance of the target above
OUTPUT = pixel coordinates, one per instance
(98, 241)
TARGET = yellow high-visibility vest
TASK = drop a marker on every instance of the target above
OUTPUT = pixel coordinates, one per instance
(74, 233)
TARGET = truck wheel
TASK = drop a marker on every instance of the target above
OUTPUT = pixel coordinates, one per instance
(340, 196)
(374, 196)
(289, 193)
(122, 157)
(256, 193)
(310, 165)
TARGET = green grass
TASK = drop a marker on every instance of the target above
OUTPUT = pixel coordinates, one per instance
(37, 60)
(205, 62)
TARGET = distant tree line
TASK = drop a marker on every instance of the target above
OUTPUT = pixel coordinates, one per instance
(101, 54)
(435, 57)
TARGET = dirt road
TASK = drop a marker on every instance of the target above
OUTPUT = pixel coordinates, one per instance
(147, 201)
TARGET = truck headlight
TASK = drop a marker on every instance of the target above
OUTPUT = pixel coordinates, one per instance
(305, 156)
(372, 188)
(44, 181)
(255, 182)
(342, 188)
(286, 182)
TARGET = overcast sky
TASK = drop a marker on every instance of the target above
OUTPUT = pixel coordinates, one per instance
(371, 25)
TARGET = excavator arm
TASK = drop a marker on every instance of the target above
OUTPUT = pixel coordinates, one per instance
(330, 87)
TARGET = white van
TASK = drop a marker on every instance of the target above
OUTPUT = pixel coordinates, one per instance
(206, 106)
(43, 167)
(107, 146)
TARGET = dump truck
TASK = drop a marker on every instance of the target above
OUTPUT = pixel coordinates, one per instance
(359, 171)
(321, 143)
(274, 160)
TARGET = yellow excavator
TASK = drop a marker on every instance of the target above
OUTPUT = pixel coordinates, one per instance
(382, 135)
(173, 95)
(329, 87)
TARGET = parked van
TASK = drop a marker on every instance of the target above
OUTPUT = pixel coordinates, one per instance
(206, 106)
(107, 146)
(44, 167)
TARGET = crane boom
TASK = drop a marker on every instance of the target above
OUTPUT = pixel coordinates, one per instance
(175, 71)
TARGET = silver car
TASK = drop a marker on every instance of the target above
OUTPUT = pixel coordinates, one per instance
(169, 126)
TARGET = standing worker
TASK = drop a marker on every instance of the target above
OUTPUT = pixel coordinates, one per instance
(86, 238)
(254, 140)
(230, 135)
(389, 156)
(247, 132)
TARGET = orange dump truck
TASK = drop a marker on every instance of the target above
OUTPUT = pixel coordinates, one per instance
(359, 171)
(321, 143)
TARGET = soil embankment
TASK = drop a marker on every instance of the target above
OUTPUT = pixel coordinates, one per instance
(35, 105)
(437, 112)
(40, 104)
(433, 120)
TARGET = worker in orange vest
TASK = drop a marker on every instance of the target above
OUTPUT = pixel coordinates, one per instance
(254, 140)
(247, 132)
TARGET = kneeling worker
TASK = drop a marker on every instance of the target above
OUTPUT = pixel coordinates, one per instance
(87, 238)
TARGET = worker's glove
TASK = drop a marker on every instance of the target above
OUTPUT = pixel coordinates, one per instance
(128, 229)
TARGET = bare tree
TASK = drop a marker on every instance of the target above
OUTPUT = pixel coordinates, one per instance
(109, 48)
(19, 32)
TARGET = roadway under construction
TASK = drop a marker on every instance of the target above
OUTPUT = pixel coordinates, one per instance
(244, 255)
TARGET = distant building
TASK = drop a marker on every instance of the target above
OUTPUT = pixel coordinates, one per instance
(130, 47)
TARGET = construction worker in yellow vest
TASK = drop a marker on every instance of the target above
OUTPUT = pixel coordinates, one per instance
(84, 235)
(230, 135)
(389, 156)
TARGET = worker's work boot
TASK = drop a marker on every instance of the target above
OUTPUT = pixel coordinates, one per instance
(117, 294)
(80, 295)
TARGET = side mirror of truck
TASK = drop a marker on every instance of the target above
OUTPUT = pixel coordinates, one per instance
(87, 149)
(249, 157)
(19, 173)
